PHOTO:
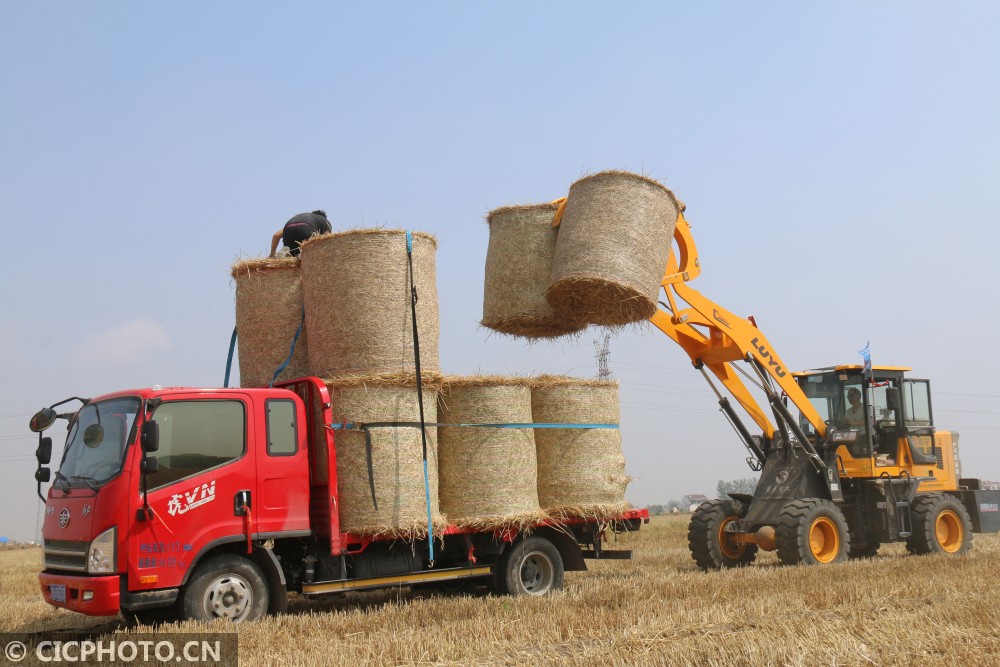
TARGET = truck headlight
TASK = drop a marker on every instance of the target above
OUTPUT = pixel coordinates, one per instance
(101, 554)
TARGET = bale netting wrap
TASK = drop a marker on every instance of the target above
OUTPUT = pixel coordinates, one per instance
(487, 475)
(612, 249)
(357, 294)
(268, 313)
(518, 267)
(581, 472)
(396, 453)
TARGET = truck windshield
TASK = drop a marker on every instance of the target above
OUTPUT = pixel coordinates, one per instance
(96, 443)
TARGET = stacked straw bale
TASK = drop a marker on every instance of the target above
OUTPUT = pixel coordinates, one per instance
(268, 313)
(581, 472)
(612, 250)
(357, 295)
(518, 267)
(397, 458)
(488, 475)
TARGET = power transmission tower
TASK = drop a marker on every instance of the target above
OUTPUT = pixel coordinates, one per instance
(603, 354)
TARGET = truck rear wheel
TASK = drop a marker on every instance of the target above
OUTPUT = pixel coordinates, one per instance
(812, 531)
(227, 587)
(532, 566)
(711, 547)
(941, 525)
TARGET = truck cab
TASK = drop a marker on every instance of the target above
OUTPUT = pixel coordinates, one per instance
(132, 507)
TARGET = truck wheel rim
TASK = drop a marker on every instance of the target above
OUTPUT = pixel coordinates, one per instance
(824, 540)
(948, 531)
(727, 545)
(229, 596)
(537, 573)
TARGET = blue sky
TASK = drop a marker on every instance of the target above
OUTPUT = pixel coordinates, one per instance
(838, 161)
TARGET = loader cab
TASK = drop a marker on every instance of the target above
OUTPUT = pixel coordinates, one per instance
(897, 428)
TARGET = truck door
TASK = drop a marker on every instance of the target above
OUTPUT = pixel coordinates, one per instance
(205, 458)
(282, 508)
(918, 422)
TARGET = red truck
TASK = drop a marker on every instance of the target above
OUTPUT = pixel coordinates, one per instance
(214, 503)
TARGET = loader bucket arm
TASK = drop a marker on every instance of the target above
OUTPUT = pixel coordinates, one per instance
(713, 337)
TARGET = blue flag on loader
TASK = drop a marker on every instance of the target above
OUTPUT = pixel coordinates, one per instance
(866, 354)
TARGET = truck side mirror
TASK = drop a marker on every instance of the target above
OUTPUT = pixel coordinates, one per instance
(43, 475)
(42, 419)
(150, 465)
(150, 437)
(44, 452)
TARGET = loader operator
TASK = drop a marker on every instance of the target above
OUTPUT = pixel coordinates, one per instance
(855, 414)
(300, 228)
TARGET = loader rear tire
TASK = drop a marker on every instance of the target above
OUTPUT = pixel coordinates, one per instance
(941, 525)
(711, 547)
(812, 531)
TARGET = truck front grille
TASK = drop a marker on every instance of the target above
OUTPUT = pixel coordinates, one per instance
(66, 555)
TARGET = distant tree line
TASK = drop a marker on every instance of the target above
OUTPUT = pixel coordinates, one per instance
(744, 485)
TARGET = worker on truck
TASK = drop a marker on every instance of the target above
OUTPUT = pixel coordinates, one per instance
(298, 229)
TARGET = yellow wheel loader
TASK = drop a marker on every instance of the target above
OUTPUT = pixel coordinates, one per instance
(860, 465)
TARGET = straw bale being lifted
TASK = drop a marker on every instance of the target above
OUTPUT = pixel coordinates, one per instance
(581, 472)
(518, 267)
(612, 248)
(268, 313)
(396, 453)
(357, 294)
(488, 476)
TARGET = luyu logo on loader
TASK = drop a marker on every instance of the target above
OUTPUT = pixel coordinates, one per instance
(767, 356)
(196, 497)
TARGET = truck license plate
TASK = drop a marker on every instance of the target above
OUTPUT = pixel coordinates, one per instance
(58, 592)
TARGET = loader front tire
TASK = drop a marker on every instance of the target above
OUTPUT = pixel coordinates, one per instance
(941, 525)
(812, 531)
(711, 547)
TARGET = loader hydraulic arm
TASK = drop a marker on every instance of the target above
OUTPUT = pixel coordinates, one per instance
(714, 338)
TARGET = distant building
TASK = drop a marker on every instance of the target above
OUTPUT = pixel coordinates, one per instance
(691, 501)
(4, 540)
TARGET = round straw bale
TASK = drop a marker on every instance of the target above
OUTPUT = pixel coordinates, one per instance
(518, 266)
(397, 459)
(357, 295)
(268, 313)
(488, 477)
(612, 249)
(581, 472)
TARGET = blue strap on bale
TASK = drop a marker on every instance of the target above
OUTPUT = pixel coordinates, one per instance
(229, 360)
(291, 352)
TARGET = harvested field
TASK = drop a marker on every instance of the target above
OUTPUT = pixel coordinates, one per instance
(657, 609)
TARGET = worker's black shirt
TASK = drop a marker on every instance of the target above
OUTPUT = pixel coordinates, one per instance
(301, 227)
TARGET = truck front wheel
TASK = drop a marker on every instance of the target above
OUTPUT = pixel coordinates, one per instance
(227, 587)
(533, 566)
